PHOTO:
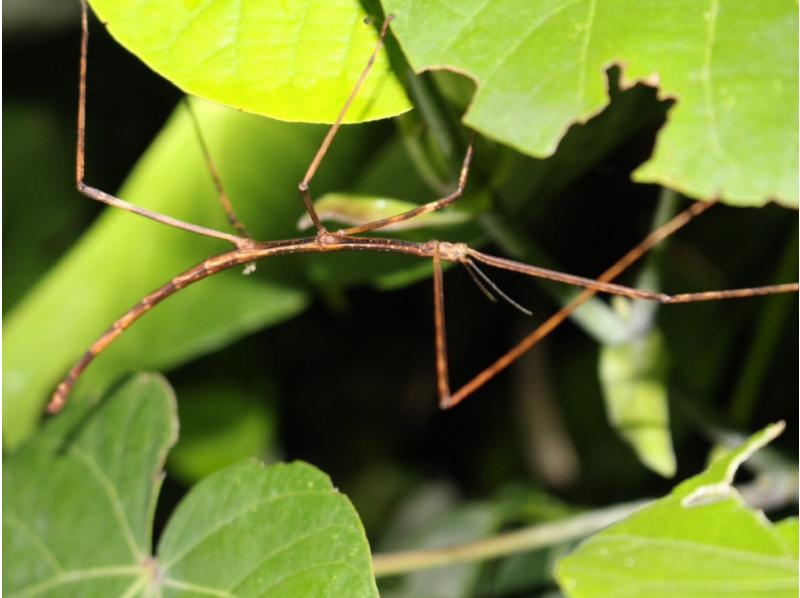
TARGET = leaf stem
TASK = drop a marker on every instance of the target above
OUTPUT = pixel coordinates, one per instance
(521, 540)
(767, 491)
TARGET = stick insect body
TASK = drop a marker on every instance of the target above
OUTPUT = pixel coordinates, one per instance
(247, 251)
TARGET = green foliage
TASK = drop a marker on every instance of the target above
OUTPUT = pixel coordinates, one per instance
(701, 540)
(633, 375)
(85, 528)
(347, 381)
(296, 61)
(539, 67)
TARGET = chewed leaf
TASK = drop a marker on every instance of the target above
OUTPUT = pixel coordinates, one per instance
(633, 378)
(701, 540)
(295, 61)
(541, 66)
(355, 210)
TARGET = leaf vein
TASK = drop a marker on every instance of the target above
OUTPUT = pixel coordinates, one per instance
(111, 493)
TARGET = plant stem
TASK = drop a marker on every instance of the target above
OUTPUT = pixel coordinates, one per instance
(774, 488)
(521, 540)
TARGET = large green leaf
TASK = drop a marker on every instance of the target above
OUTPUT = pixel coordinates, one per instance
(540, 67)
(79, 501)
(701, 540)
(296, 61)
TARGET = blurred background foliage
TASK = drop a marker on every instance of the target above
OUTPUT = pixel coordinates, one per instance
(344, 379)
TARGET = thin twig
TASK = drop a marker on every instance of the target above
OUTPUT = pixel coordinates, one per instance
(521, 540)
(769, 490)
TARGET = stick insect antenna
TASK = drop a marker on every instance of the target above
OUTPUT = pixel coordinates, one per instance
(305, 194)
(107, 198)
(479, 283)
(478, 274)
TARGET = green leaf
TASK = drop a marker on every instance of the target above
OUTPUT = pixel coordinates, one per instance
(80, 497)
(633, 376)
(295, 61)
(540, 67)
(789, 531)
(278, 531)
(701, 540)
(353, 210)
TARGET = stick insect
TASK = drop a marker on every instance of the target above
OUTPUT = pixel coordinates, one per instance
(247, 251)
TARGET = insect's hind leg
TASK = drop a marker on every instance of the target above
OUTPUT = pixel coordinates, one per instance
(106, 198)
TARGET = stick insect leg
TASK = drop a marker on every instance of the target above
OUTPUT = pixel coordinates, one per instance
(107, 198)
(656, 236)
(302, 186)
(424, 208)
(442, 373)
(224, 200)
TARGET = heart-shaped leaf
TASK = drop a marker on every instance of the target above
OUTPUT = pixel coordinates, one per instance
(79, 501)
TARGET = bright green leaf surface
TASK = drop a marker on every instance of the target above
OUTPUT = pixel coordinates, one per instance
(296, 61)
(353, 210)
(633, 378)
(701, 541)
(540, 66)
(789, 531)
(84, 528)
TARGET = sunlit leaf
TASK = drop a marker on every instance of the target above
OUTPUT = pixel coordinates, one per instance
(296, 61)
